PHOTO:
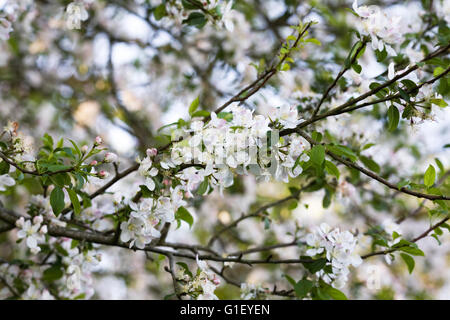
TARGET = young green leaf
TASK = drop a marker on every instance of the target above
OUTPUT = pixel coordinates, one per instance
(194, 105)
(393, 118)
(75, 201)
(183, 214)
(302, 288)
(331, 168)
(4, 167)
(318, 155)
(409, 261)
(57, 200)
(430, 176)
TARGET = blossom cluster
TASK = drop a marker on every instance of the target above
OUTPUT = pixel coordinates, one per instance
(240, 145)
(385, 30)
(79, 264)
(145, 217)
(202, 285)
(74, 282)
(33, 231)
(217, 149)
(20, 144)
(338, 247)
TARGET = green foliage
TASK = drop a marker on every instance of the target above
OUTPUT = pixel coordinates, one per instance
(57, 200)
(393, 118)
(409, 261)
(183, 214)
(430, 176)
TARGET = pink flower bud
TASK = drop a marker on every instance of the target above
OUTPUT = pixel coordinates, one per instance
(98, 140)
(110, 157)
(20, 222)
(167, 182)
(151, 152)
(103, 174)
(93, 163)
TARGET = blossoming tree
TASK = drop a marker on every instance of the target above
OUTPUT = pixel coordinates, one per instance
(190, 149)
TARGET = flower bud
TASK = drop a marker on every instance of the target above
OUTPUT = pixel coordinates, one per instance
(38, 220)
(84, 149)
(20, 222)
(103, 174)
(98, 141)
(110, 157)
(151, 152)
(93, 163)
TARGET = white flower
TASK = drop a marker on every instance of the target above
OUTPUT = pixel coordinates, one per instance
(30, 232)
(383, 29)
(288, 116)
(339, 248)
(76, 12)
(227, 16)
(6, 181)
(390, 226)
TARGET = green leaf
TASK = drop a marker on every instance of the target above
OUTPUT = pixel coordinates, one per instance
(200, 113)
(183, 214)
(289, 279)
(438, 71)
(303, 287)
(439, 102)
(75, 147)
(57, 200)
(357, 68)
(430, 176)
(196, 19)
(191, 4)
(334, 293)
(331, 168)
(393, 118)
(75, 201)
(316, 136)
(4, 167)
(317, 155)
(412, 250)
(203, 187)
(160, 11)
(370, 164)
(314, 265)
(52, 274)
(194, 105)
(313, 40)
(341, 150)
(409, 261)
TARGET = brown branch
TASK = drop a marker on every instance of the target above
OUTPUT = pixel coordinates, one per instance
(262, 79)
(341, 73)
(341, 108)
(421, 236)
(374, 175)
